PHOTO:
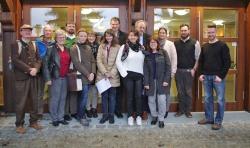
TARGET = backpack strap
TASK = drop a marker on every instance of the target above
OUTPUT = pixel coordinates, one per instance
(34, 44)
(20, 46)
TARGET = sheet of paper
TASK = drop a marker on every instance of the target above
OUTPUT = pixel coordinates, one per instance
(103, 85)
(79, 84)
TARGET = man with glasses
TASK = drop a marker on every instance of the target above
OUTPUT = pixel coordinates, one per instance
(27, 64)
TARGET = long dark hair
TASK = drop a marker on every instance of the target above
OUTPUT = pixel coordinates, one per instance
(136, 33)
(163, 28)
(110, 32)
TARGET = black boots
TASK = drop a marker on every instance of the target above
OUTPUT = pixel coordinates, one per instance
(107, 117)
(94, 112)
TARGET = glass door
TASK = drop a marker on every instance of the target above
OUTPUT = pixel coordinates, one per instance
(171, 18)
(227, 23)
(229, 31)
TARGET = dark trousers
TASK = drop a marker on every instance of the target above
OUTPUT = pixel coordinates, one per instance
(26, 94)
(184, 83)
(41, 86)
(108, 101)
(133, 88)
(71, 102)
(119, 97)
(145, 107)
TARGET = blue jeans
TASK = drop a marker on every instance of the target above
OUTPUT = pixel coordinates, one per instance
(108, 101)
(219, 88)
(82, 102)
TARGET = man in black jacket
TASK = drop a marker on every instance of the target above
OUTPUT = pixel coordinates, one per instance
(214, 64)
(122, 37)
(115, 26)
(140, 26)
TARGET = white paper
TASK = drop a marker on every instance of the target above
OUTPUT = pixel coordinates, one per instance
(79, 84)
(103, 85)
(234, 44)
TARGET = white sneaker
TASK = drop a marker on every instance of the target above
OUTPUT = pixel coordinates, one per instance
(130, 120)
(138, 120)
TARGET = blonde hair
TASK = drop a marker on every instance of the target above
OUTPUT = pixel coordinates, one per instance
(60, 32)
(81, 30)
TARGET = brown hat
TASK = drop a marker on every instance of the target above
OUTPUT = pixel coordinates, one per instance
(26, 26)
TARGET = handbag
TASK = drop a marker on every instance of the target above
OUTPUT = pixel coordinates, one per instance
(74, 81)
(75, 78)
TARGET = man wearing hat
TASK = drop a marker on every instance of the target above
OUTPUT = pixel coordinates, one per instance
(27, 64)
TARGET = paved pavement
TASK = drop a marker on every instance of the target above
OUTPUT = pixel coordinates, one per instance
(178, 132)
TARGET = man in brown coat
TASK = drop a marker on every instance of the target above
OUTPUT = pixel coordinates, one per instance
(27, 64)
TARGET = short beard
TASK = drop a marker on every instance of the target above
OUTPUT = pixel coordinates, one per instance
(184, 37)
(71, 32)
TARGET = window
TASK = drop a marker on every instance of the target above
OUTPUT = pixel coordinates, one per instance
(171, 18)
(225, 20)
(97, 19)
(57, 17)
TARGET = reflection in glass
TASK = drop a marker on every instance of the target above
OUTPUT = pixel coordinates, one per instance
(225, 20)
(230, 88)
(171, 19)
(233, 53)
(97, 19)
(57, 17)
(173, 91)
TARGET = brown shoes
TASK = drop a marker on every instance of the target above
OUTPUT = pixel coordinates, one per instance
(20, 130)
(188, 115)
(144, 115)
(216, 126)
(36, 126)
(178, 114)
(205, 121)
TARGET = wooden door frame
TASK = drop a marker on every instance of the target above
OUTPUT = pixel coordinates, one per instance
(197, 11)
(76, 8)
(247, 35)
(193, 33)
(240, 72)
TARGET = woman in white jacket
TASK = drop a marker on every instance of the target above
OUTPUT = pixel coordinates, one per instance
(129, 61)
(169, 46)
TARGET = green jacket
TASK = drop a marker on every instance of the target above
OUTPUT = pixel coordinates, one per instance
(70, 42)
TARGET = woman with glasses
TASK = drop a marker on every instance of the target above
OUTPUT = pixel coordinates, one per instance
(157, 73)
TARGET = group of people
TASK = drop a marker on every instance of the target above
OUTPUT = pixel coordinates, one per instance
(137, 63)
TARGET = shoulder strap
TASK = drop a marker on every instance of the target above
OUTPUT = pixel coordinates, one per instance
(34, 44)
(78, 51)
(19, 46)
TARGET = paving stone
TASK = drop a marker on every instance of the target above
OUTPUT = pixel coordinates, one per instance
(178, 132)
